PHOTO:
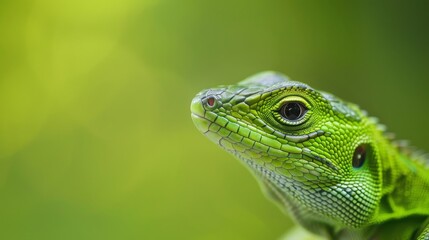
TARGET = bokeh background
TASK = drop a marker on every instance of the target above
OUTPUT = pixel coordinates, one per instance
(96, 140)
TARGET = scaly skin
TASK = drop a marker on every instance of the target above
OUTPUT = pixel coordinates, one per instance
(328, 164)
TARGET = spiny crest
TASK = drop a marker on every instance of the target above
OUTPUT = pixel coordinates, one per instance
(412, 152)
(270, 80)
(404, 147)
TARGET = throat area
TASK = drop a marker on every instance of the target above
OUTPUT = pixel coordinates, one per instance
(295, 198)
(325, 201)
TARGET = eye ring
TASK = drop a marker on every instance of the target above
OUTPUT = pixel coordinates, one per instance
(302, 109)
(293, 111)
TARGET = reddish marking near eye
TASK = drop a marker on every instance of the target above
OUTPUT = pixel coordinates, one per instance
(211, 101)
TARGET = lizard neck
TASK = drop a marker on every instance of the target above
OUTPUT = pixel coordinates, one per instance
(405, 187)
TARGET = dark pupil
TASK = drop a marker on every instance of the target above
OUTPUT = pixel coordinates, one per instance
(359, 156)
(292, 111)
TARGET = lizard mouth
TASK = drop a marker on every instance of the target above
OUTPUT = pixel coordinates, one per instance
(200, 122)
(240, 138)
(198, 115)
(324, 161)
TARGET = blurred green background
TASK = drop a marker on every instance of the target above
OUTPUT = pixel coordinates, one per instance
(96, 140)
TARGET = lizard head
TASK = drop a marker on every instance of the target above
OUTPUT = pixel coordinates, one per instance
(314, 152)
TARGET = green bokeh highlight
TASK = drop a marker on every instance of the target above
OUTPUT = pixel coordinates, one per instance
(96, 140)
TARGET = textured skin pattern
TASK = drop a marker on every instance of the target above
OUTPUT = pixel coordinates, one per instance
(306, 165)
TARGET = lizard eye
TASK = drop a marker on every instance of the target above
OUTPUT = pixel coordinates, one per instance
(359, 156)
(293, 111)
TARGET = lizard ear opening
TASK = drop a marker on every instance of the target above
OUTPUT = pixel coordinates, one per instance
(359, 156)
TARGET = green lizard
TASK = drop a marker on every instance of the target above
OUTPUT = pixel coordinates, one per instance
(329, 165)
